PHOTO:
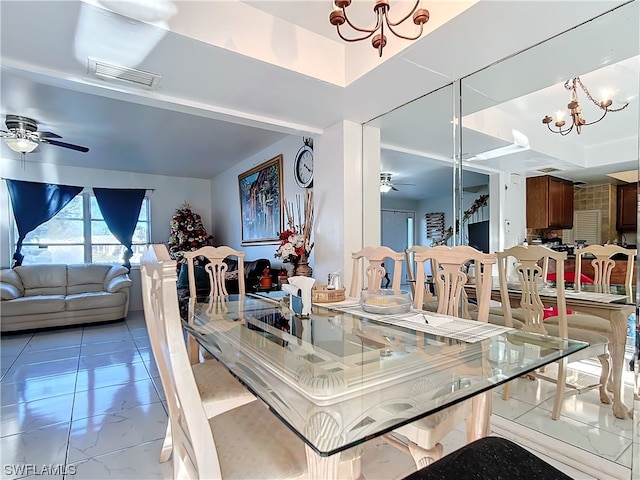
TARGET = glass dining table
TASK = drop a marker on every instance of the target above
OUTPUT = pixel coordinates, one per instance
(340, 376)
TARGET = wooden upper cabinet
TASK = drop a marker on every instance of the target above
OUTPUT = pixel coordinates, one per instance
(549, 202)
(627, 210)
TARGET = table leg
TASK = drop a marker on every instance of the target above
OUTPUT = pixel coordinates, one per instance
(618, 321)
(322, 468)
(479, 422)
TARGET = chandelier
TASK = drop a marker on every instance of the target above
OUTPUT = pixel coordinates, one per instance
(339, 16)
(576, 112)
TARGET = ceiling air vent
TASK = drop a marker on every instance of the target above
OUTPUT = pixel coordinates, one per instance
(109, 71)
(548, 169)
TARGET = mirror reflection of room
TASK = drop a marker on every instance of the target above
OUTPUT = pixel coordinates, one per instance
(567, 191)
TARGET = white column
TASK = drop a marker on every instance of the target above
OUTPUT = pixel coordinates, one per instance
(338, 193)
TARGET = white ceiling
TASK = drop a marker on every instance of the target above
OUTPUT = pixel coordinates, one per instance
(219, 102)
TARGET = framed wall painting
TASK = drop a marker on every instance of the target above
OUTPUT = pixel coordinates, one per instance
(261, 202)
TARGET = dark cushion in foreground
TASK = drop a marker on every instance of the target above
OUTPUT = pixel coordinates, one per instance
(489, 458)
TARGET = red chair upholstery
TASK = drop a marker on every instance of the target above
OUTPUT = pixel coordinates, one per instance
(569, 277)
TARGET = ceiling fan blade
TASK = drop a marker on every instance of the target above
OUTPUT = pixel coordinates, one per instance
(394, 188)
(47, 135)
(407, 184)
(65, 145)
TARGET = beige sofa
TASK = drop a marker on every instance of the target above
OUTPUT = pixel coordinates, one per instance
(38, 296)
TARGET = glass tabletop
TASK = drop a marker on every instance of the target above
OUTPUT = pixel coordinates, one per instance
(341, 377)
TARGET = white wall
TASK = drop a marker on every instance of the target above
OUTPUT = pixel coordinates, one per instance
(225, 199)
(168, 194)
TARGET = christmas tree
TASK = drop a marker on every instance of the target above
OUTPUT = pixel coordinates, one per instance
(187, 233)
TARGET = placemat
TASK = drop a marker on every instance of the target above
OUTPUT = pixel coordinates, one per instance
(428, 322)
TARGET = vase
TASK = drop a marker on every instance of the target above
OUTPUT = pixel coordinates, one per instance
(303, 269)
(291, 269)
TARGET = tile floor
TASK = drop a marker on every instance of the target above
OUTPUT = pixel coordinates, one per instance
(89, 399)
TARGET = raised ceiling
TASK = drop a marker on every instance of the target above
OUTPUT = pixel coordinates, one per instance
(230, 82)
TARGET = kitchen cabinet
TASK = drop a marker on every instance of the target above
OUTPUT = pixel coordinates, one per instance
(549, 202)
(627, 210)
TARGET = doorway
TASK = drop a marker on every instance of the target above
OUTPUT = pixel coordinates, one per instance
(398, 233)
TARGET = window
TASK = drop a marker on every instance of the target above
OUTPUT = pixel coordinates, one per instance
(79, 234)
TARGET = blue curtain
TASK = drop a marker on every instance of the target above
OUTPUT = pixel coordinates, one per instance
(35, 203)
(120, 209)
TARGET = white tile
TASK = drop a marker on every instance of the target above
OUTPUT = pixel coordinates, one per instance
(94, 436)
(37, 388)
(105, 333)
(14, 342)
(146, 354)
(139, 332)
(7, 359)
(55, 339)
(29, 357)
(24, 417)
(124, 344)
(511, 408)
(152, 368)
(142, 342)
(607, 445)
(107, 359)
(159, 388)
(586, 408)
(24, 373)
(114, 398)
(626, 457)
(381, 461)
(131, 463)
(38, 447)
(111, 375)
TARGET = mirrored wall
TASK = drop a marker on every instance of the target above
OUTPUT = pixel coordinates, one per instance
(499, 142)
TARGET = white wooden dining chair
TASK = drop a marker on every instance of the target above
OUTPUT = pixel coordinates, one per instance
(219, 390)
(528, 267)
(216, 270)
(254, 443)
(603, 265)
(368, 270)
(424, 436)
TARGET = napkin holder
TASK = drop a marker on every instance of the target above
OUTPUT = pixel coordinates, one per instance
(299, 290)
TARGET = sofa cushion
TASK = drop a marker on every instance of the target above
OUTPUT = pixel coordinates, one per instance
(118, 283)
(11, 277)
(92, 300)
(113, 272)
(86, 277)
(43, 279)
(8, 291)
(33, 305)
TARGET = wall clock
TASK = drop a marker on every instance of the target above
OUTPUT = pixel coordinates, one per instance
(303, 165)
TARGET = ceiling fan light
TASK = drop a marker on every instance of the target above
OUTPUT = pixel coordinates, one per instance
(384, 188)
(21, 145)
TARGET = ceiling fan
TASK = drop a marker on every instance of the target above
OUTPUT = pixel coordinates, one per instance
(22, 136)
(386, 185)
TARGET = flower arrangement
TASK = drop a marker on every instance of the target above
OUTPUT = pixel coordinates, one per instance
(295, 245)
(187, 233)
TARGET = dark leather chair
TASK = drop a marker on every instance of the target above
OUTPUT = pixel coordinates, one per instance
(252, 272)
(489, 458)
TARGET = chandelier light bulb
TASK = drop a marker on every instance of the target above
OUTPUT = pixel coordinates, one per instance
(575, 111)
